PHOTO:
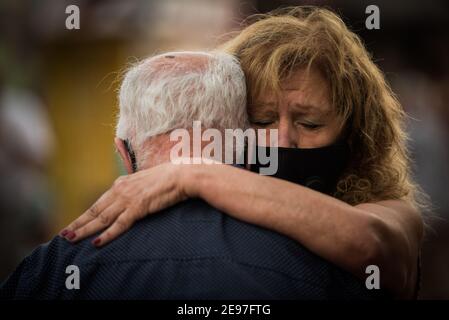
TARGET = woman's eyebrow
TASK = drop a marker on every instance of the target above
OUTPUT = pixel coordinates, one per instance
(308, 108)
(263, 113)
(263, 107)
(266, 104)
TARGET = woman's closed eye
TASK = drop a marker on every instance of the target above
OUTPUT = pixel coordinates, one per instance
(311, 126)
(308, 125)
(263, 122)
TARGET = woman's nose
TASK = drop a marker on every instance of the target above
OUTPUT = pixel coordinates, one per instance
(287, 134)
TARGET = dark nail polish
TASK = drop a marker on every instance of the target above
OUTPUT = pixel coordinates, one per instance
(64, 233)
(70, 235)
(96, 242)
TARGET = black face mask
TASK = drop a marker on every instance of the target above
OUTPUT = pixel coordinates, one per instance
(317, 168)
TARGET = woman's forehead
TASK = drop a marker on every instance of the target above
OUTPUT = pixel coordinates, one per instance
(301, 93)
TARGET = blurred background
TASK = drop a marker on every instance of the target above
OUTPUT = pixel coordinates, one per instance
(58, 100)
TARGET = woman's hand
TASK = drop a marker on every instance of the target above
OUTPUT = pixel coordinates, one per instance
(130, 198)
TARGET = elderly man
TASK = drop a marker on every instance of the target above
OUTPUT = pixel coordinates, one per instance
(192, 250)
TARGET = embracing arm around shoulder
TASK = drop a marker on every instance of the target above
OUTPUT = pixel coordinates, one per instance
(387, 233)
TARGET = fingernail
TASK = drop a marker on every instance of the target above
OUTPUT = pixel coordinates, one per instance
(70, 235)
(96, 241)
(64, 233)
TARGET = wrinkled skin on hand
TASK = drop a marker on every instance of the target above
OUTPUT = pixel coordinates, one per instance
(130, 198)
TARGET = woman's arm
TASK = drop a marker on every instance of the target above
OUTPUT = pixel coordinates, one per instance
(386, 234)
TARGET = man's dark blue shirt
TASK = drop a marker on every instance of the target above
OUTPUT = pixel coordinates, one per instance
(189, 251)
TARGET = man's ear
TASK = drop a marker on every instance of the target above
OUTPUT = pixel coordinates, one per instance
(124, 154)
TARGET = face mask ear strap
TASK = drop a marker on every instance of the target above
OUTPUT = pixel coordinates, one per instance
(132, 155)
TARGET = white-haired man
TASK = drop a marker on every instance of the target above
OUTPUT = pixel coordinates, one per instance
(171, 91)
(191, 250)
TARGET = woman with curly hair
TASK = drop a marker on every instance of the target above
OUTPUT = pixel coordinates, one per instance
(311, 78)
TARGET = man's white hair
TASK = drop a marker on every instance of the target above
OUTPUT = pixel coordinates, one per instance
(156, 98)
